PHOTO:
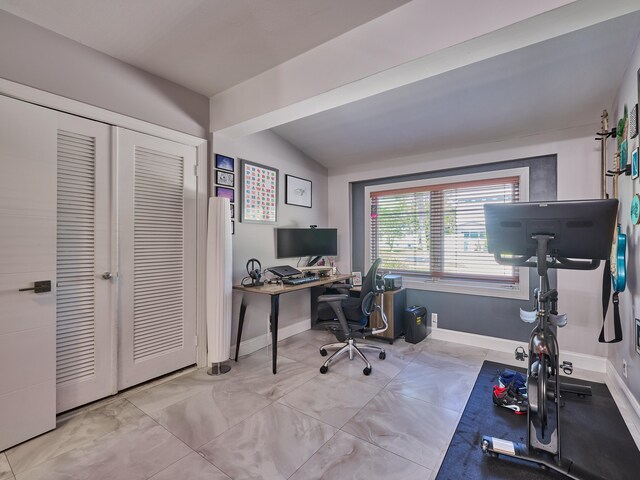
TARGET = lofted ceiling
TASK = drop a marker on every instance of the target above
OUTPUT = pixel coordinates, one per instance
(559, 83)
(211, 45)
(204, 45)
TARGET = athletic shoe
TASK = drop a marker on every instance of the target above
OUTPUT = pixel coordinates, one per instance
(516, 379)
(511, 398)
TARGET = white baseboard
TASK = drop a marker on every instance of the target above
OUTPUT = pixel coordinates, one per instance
(627, 403)
(580, 360)
(254, 344)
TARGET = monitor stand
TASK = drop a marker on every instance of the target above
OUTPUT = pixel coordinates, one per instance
(314, 260)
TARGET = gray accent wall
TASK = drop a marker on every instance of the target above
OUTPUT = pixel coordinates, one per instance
(37, 57)
(482, 315)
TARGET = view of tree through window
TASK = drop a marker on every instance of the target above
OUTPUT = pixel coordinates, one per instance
(439, 230)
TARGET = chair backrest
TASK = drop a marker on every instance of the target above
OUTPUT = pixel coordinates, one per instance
(369, 282)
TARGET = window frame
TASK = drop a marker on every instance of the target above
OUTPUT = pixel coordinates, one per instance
(466, 287)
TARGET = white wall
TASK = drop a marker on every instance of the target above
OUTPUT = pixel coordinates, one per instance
(40, 58)
(258, 241)
(578, 178)
(630, 299)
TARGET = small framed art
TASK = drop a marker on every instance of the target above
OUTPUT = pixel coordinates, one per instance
(297, 191)
(634, 163)
(226, 193)
(224, 163)
(633, 122)
(233, 227)
(233, 210)
(224, 178)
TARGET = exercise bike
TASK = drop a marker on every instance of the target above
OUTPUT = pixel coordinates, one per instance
(547, 236)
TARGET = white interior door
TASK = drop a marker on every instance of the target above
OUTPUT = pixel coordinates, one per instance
(27, 254)
(157, 253)
(85, 327)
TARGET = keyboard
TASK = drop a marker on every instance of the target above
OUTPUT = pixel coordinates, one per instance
(299, 281)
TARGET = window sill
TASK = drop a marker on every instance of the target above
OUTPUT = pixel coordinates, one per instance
(468, 288)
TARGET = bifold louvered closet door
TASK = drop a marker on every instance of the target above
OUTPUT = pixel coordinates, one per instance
(157, 245)
(85, 316)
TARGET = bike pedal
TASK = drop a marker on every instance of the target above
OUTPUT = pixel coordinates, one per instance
(567, 367)
(520, 354)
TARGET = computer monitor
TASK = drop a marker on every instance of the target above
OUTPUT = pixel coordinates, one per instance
(306, 242)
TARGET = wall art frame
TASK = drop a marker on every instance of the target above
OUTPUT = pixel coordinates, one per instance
(226, 192)
(258, 193)
(224, 178)
(298, 191)
(223, 162)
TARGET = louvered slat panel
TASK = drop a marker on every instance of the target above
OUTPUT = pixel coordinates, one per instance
(158, 254)
(438, 230)
(75, 294)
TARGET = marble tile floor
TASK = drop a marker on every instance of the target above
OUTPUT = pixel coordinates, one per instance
(251, 424)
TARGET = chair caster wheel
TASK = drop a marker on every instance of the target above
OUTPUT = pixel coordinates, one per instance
(324, 369)
(366, 370)
(323, 352)
(382, 355)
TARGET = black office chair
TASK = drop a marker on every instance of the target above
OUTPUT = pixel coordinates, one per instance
(347, 318)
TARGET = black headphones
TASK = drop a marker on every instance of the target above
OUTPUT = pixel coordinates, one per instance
(254, 269)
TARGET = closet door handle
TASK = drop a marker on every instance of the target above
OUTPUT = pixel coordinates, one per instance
(107, 275)
(41, 286)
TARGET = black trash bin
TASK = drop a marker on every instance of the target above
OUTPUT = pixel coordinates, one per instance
(416, 324)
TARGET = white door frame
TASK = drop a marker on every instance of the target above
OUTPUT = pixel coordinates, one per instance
(67, 105)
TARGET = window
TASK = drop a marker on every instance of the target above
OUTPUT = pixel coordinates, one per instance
(434, 231)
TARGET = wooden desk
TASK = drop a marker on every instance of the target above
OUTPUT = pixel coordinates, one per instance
(274, 291)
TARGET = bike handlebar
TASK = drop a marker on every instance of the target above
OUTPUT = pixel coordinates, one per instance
(558, 262)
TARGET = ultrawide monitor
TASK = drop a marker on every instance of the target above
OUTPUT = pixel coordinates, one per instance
(306, 242)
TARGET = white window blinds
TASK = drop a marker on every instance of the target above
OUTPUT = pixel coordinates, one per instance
(438, 230)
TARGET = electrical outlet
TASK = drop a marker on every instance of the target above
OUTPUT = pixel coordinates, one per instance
(434, 320)
(624, 368)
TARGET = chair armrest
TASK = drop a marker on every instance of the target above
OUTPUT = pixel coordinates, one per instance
(332, 298)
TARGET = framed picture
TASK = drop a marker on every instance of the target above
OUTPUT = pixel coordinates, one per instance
(224, 163)
(634, 163)
(633, 122)
(297, 191)
(233, 210)
(224, 178)
(233, 227)
(356, 280)
(258, 193)
(226, 193)
(624, 155)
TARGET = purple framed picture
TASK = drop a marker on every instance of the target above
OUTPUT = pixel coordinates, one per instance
(224, 163)
(225, 193)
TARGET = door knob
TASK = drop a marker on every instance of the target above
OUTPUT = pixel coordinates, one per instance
(41, 286)
(107, 275)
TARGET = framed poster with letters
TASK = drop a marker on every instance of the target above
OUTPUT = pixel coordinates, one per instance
(258, 193)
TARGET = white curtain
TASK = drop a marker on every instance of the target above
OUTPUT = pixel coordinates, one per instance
(219, 280)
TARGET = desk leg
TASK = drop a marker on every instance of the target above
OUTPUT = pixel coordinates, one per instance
(275, 306)
(243, 309)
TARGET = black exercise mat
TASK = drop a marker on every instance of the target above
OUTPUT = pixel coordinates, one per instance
(594, 436)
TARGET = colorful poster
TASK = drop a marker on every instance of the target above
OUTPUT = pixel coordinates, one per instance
(259, 193)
